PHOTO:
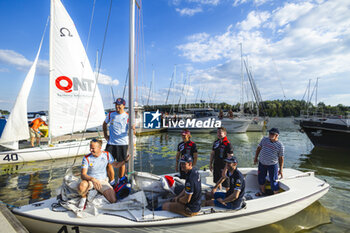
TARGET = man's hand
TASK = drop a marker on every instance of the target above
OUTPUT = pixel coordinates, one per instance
(280, 173)
(213, 191)
(221, 201)
(255, 160)
(96, 183)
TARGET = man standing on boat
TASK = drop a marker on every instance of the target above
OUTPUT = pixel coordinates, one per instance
(117, 140)
(34, 130)
(186, 147)
(233, 198)
(188, 202)
(94, 173)
(222, 149)
(271, 156)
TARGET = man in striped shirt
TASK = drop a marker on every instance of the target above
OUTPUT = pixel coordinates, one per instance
(271, 156)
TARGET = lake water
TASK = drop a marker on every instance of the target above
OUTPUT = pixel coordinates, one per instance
(25, 183)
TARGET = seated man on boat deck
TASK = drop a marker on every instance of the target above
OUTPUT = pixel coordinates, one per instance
(34, 130)
(94, 173)
(188, 202)
(233, 198)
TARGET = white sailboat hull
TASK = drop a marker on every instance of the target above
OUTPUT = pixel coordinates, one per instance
(299, 192)
(235, 125)
(57, 151)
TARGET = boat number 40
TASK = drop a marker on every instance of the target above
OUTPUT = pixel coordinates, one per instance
(64, 229)
(11, 157)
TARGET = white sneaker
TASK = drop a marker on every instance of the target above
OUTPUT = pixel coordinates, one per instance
(82, 202)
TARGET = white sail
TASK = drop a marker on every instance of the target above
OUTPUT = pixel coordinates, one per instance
(73, 98)
(16, 127)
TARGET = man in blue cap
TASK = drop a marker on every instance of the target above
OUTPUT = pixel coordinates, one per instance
(233, 198)
(188, 202)
(117, 140)
(271, 156)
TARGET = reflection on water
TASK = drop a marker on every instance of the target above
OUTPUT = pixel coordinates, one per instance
(25, 183)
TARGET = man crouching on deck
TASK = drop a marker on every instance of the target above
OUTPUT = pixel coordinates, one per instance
(94, 173)
(188, 202)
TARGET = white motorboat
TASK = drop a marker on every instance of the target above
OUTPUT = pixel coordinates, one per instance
(75, 103)
(297, 191)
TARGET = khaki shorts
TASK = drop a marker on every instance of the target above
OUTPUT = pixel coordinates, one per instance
(33, 133)
(104, 185)
(179, 208)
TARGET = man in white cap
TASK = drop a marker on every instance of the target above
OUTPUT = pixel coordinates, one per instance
(34, 131)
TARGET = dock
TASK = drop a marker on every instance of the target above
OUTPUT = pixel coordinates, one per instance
(9, 223)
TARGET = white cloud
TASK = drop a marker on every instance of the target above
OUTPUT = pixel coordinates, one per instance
(189, 11)
(206, 2)
(291, 12)
(254, 20)
(107, 80)
(255, 2)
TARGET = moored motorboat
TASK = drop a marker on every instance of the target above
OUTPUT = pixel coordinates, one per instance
(297, 191)
(327, 132)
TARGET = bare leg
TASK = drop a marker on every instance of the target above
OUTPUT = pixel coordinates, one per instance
(209, 203)
(121, 171)
(83, 188)
(32, 141)
(109, 194)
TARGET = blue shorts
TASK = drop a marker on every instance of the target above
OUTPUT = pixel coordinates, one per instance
(273, 175)
(236, 204)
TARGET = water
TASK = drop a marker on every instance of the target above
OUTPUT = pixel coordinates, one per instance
(25, 183)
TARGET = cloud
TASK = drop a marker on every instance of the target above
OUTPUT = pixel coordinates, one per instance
(236, 3)
(254, 20)
(286, 45)
(107, 80)
(189, 11)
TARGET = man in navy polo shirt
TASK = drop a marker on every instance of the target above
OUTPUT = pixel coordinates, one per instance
(186, 147)
(188, 202)
(271, 155)
(233, 198)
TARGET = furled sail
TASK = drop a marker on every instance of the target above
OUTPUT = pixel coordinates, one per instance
(75, 100)
(16, 127)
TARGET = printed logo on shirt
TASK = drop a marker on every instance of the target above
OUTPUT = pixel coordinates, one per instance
(151, 120)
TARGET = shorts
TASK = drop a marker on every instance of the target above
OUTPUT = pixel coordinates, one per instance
(33, 133)
(273, 175)
(179, 208)
(218, 174)
(104, 185)
(236, 204)
(119, 152)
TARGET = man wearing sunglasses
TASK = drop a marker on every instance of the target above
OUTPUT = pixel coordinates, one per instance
(271, 158)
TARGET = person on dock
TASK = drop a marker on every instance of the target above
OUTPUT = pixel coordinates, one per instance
(188, 202)
(34, 130)
(117, 140)
(221, 149)
(186, 147)
(233, 198)
(94, 173)
(271, 156)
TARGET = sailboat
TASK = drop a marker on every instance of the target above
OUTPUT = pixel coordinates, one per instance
(75, 102)
(298, 190)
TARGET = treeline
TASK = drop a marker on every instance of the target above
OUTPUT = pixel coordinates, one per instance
(273, 108)
(4, 112)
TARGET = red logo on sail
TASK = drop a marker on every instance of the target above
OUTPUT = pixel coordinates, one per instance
(66, 88)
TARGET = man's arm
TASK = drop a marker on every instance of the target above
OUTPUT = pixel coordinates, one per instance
(281, 162)
(211, 160)
(222, 179)
(104, 127)
(85, 176)
(177, 161)
(195, 157)
(232, 197)
(257, 154)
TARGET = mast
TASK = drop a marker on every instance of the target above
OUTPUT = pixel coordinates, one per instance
(131, 83)
(242, 107)
(50, 67)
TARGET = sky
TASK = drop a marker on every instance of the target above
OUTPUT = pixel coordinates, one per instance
(285, 44)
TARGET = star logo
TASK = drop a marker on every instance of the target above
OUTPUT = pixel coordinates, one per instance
(151, 120)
